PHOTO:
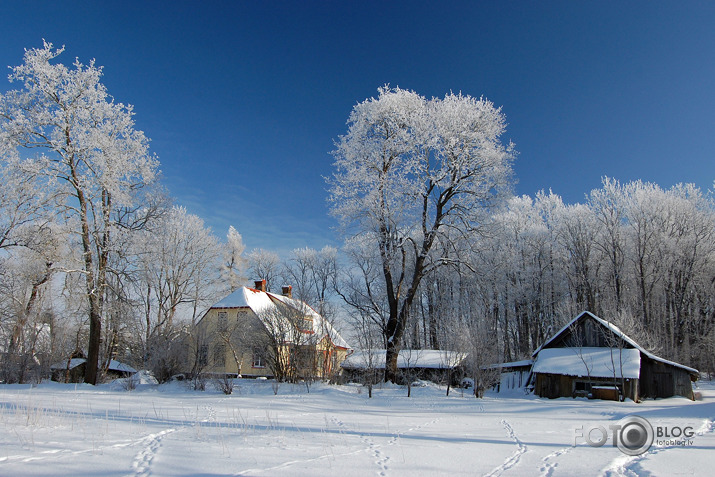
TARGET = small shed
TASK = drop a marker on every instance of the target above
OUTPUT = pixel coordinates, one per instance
(514, 375)
(72, 370)
(591, 357)
(433, 365)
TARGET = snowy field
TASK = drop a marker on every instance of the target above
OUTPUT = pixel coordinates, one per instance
(78, 430)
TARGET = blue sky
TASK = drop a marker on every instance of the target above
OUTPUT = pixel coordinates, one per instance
(242, 100)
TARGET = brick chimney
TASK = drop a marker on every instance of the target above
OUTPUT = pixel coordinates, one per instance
(288, 291)
(260, 285)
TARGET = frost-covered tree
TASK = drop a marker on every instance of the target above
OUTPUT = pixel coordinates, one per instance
(575, 234)
(608, 205)
(264, 265)
(234, 264)
(24, 208)
(179, 261)
(412, 172)
(312, 274)
(91, 158)
(24, 304)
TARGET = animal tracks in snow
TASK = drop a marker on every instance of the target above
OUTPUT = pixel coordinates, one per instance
(371, 441)
(381, 459)
(142, 461)
(513, 459)
(547, 470)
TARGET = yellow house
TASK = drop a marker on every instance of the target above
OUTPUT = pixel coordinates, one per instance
(254, 333)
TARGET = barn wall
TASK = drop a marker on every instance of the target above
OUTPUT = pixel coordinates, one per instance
(661, 380)
(553, 385)
(556, 385)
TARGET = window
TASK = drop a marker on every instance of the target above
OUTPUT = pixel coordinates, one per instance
(304, 358)
(258, 361)
(203, 357)
(581, 389)
(222, 321)
(220, 355)
(582, 386)
(306, 324)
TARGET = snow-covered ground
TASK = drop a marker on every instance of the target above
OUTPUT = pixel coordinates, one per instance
(78, 430)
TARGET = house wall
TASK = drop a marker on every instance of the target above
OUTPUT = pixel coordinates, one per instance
(240, 332)
(328, 359)
(243, 331)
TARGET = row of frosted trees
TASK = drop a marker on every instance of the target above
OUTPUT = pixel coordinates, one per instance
(95, 260)
(439, 256)
(635, 254)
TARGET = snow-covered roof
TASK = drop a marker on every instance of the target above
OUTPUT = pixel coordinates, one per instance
(245, 297)
(73, 363)
(114, 365)
(593, 362)
(322, 326)
(511, 364)
(265, 306)
(618, 333)
(433, 359)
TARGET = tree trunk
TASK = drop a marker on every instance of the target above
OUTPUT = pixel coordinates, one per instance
(95, 333)
(95, 316)
(391, 369)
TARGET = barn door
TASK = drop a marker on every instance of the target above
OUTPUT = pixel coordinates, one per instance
(663, 384)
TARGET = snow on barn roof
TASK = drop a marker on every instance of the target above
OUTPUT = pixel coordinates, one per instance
(593, 362)
(432, 359)
(511, 364)
(618, 333)
(73, 363)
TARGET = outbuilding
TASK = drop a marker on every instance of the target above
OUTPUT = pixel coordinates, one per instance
(72, 370)
(594, 358)
(439, 366)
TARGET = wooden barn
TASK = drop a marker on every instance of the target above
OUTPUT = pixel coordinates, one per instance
(593, 358)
